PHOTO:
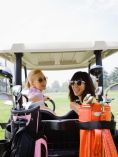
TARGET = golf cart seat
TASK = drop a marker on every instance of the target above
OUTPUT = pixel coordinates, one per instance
(46, 115)
(62, 137)
(62, 133)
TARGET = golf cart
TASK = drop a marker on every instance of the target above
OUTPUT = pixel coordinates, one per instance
(62, 132)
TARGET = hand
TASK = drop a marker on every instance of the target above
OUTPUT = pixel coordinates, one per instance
(74, 106)
(34, 98)
(46, 98)
(89, 99)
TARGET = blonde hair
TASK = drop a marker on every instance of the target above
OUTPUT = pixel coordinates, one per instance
(31, 76)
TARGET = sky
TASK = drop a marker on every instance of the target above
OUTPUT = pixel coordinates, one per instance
(35, 21)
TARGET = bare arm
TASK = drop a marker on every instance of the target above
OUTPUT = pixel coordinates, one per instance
(34, 98)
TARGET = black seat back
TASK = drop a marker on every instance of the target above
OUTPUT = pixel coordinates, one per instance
(62, 137)
(46, 115)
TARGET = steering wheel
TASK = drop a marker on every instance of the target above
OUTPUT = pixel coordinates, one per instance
(52, 104)
(49, 103)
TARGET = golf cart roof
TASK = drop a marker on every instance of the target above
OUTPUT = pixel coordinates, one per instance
(59, 56)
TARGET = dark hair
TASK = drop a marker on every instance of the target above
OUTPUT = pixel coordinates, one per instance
(89, 86)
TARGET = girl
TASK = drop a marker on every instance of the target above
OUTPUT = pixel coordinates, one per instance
(81, 86)
(36, 83)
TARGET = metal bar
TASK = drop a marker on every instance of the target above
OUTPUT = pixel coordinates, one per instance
(99, 62)
(18, 69)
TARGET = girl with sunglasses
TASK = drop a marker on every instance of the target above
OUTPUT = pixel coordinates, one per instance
(80, 86)
(36, 83)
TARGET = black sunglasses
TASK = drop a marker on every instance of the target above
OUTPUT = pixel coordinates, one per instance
(78, 82)
(42, 79)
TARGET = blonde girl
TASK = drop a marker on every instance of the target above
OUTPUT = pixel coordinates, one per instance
(36, 83)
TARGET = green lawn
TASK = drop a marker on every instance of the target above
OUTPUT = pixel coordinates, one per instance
(62, 107)
(4, 115)
(61, 101)
(114, 104)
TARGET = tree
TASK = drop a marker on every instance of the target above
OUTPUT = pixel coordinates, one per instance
(55, 86)
(114, 76)
(105, 79)
(64, 87)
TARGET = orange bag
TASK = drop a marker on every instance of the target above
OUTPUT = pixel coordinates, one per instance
(96, 142)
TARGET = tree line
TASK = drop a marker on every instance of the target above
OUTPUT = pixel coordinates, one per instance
(56, 87)
(108, 79)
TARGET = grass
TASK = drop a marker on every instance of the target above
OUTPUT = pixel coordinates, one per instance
(62, 107)
(114, 104)
(4, 116)
(61, 102)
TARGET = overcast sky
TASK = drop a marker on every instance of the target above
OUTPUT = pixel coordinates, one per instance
(35, 21)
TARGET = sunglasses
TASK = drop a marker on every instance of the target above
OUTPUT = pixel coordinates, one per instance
(41, 79)
(78, 82)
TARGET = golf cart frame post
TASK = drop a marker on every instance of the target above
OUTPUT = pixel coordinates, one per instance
(18, 69)
(99, 62)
